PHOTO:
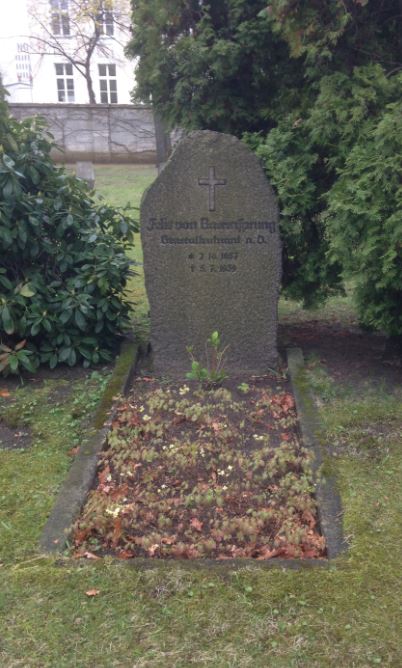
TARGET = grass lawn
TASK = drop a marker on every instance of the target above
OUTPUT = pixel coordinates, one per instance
(123, 185)
(347, 615)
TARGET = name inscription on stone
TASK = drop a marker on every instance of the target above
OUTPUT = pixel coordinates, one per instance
(211, 233)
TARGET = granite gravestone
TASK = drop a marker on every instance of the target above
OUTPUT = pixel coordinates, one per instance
(212, 255)
(85, 171)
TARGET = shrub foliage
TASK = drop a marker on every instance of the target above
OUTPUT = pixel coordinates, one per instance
(63, 267)
(314, 87)
(213, 65)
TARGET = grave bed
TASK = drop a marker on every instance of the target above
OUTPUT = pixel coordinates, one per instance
(223, 475)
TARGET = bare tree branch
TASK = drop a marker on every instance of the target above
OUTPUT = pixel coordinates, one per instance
(86, 24)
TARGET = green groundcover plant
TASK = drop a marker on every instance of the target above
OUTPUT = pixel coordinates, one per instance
(63, 266)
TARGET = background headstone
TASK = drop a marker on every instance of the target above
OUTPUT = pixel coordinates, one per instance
(212, 255)
(85, 171)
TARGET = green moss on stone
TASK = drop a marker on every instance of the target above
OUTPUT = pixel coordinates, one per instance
(124, 363)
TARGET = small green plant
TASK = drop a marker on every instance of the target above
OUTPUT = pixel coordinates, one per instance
(213, 373)
(244, 388)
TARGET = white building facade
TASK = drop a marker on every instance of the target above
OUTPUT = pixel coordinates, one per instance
(49, 50)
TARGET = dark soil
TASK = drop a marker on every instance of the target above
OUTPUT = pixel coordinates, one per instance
(353, 357)
(62, 372)
(15, 433)
(14, 439)
(193, 472)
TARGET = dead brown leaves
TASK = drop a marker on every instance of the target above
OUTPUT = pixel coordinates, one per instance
(192, 476)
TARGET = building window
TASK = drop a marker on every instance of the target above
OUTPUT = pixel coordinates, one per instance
(59, 19)
(105, 20)
(23, 64)
(108, 84)
(65, 82)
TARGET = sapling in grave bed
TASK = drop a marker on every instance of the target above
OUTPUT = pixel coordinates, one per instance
(214, 373)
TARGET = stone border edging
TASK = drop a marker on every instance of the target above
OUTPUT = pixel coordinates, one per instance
(82, 473)
(329, 502)
(328, 498)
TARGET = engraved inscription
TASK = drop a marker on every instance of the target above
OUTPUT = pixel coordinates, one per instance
(214, 234)
(207, 237)
(212, 182)
(206, 232)
(213, 263)
(235, 226)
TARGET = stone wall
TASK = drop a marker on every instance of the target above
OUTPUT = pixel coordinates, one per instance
(100, 133)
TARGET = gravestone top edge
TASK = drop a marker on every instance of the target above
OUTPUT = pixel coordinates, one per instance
(204, 138)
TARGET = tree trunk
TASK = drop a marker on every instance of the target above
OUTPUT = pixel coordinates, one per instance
(88, 79)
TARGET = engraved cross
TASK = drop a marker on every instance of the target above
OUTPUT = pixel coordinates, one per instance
(212, 182)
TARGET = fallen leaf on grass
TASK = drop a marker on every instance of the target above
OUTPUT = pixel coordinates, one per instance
(92, 592)
(73, 451)
(4, 393)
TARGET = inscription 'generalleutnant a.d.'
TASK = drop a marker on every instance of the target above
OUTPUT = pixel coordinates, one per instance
(247, 234)
(205, 224)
